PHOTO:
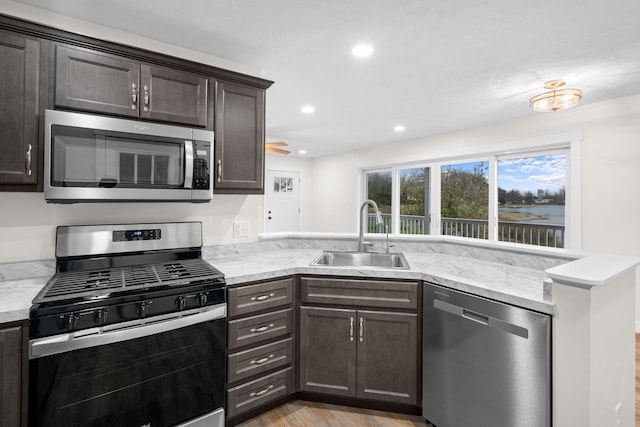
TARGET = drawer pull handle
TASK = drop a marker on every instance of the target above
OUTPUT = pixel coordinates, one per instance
(261, 392)
(262, 297)
(262, 328)
(261, 361)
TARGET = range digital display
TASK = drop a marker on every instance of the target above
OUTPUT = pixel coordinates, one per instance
(131, 235)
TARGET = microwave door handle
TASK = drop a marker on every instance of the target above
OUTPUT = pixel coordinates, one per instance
(188, 164)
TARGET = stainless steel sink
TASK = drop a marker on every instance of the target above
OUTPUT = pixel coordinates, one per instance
(394, 260)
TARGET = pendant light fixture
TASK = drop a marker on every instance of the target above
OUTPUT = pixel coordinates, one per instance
(556, 99)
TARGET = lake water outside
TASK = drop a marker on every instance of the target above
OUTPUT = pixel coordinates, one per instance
(552, 214)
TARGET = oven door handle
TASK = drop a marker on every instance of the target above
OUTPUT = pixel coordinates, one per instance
(109, 334)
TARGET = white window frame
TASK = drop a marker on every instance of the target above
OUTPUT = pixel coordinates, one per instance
(567, 143)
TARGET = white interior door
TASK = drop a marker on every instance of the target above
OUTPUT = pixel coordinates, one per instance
(282, 205)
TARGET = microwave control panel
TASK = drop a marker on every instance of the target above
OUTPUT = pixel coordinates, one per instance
(201, 174)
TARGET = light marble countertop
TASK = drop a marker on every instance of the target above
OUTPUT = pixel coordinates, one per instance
(16, 297)
(510, 284)
(519, 286)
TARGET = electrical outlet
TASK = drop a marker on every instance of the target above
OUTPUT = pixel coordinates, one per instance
(240, 228)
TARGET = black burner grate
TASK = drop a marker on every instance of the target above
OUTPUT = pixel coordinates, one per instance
(94, 282)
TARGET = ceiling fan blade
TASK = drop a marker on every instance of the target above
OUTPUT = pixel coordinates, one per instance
(277, 150)
(277, 144)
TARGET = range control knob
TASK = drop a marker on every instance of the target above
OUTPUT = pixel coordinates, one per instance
(202, 298)
(143, 308)
(70, 321)
(181, 302)
(100, 316)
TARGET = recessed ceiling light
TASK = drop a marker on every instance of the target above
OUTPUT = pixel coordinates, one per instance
(302, 151)
(362, 51)
(308, 109)
(399, 128)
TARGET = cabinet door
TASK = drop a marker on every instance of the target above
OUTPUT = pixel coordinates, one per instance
(19, 109)
(239, 139)
(173, 96)
(328, 351)
(93, 81)
(10, 376)
(388, 356)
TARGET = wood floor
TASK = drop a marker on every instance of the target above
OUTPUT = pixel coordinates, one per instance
(301, 413)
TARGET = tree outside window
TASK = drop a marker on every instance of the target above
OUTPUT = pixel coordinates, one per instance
(464, 199)
(379, 190)
(414, 201)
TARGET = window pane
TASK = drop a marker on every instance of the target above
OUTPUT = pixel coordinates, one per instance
(379, 190)
(531, 200)
(414, 188)
(464, 199)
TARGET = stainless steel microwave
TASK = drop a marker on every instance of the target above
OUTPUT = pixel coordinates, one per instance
(90, 158)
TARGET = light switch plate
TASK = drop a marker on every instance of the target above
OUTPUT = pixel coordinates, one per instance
(240, 228)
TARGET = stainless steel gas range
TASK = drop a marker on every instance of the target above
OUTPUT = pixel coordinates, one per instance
(130, 331)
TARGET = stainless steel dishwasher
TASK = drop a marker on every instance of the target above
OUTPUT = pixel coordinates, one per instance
(486, 363)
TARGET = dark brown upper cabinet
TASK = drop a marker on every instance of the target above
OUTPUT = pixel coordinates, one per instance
(43, 67)
(239, 139)
(19, 86)
(90, 80)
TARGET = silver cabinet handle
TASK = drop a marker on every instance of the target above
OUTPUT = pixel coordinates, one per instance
(134, 96)
(219, 170)
(351, 329)
(28, 160)
(362, 329)
(262, 297)
(146, 98)
(262, 328)
(261, 361)
(261, 392)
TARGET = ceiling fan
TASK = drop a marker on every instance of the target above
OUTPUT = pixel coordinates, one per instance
(271, 146)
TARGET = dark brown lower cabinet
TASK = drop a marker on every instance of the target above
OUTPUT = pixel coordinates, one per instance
(12, 376)
(359, 353)
(328, 350)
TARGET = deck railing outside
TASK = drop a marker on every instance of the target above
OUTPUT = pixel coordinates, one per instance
(516, 232)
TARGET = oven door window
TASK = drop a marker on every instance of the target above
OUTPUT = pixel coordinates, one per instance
(159, 380)
(86, 158)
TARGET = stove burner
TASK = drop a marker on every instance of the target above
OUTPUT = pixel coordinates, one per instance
(85, 283)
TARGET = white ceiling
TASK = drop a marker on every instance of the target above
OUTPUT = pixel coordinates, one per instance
(438, 66)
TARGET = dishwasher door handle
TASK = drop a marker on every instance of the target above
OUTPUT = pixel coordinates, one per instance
(476, 317)
(482, 319)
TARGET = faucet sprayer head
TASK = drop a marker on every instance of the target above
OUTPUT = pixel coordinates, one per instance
(378, 218)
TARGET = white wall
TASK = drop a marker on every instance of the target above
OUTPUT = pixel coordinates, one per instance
(27, 223)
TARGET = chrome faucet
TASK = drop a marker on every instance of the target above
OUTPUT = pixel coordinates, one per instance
(361, 243)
